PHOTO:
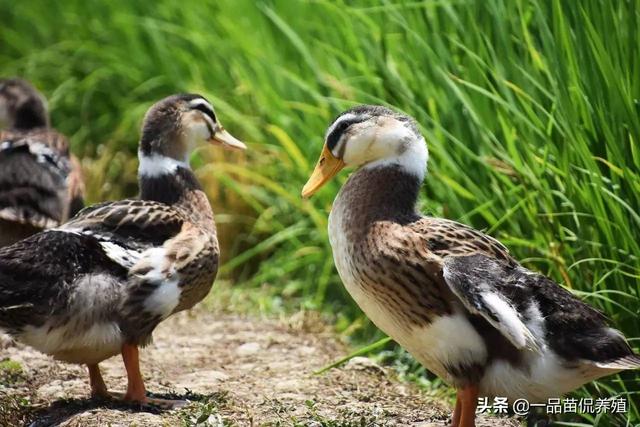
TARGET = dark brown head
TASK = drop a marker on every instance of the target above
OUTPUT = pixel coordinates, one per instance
(22, 107)
(173, 127)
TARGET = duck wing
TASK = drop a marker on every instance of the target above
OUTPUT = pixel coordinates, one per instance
(159, 247)
(445, 237)
(131, 223)
(485, 287)
(38, 275)
(518, 302)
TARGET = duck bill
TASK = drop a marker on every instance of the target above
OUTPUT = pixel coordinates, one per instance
(226, 140)
(326, 168)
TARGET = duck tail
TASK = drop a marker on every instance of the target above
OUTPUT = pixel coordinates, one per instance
(631, 361)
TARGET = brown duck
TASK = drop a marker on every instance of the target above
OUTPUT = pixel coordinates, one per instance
(450, 295)
(99, 284)
(41, 183)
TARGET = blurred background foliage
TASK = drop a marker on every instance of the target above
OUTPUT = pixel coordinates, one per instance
(530, 110)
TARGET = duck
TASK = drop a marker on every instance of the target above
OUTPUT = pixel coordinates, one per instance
(41, 183)
(450, 295)
(98, 285)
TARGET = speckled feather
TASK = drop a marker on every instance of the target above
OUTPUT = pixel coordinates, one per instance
(112, 273)
(60, 257)
(41, 183)
(410, 273)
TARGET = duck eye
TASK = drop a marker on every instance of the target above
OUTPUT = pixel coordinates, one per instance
(205, 110)
(334, 137)
(336, 134)
(204, 107)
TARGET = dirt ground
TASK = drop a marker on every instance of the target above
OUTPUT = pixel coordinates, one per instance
(242, 371)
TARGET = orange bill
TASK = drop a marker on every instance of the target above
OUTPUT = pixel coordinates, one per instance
(326, 168)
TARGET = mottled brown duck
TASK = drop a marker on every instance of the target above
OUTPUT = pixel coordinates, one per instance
(450, 295)
(41, 183)
(98, 285)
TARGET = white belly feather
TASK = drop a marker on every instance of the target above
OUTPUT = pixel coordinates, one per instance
(72, 344)
(88, 332)
(87, 335)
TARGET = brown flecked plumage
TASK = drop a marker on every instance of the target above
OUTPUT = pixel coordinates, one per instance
(451, 295)
(41, 183)
(100, 284)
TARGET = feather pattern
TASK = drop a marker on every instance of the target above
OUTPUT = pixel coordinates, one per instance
(40, 183)
(114, 271)
(151, 256)
(135, 222)
(455, 298)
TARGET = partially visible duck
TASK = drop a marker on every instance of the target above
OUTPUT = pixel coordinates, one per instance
(98, 285)
(450, 295)
(41, 183)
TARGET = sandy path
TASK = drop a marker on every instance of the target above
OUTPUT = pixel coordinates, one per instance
(239, 371)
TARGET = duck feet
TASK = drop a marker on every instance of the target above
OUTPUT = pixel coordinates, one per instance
(151, 402)
(136, 392)
(464, 414)
(98, 387)
(455, 418)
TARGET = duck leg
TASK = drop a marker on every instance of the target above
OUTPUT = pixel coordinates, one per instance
(468, 406)
(98, 387)
(455, 418)
(136, 391)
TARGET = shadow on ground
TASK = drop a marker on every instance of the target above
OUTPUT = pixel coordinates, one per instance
(234, 370)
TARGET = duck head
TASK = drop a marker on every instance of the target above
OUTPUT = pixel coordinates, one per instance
(369, 136)
(22, 107)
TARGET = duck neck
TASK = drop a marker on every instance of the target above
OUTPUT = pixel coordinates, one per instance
(387, 189)
(166, 180)
(386, 192)
(32, 115)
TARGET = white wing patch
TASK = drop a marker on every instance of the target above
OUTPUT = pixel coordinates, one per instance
(42, 153)
(471, 280)
(153, 261)
(166, 296)
(123, 256)
(509, 322)
(164, 299)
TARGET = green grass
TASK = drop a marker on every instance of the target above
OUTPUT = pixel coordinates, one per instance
(14, 406)
(205, 411)
(530, 110)
(10, 371)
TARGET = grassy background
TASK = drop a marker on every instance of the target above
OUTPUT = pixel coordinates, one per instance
(530, 110)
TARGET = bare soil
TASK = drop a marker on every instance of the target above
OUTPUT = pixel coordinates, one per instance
(235, 370)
